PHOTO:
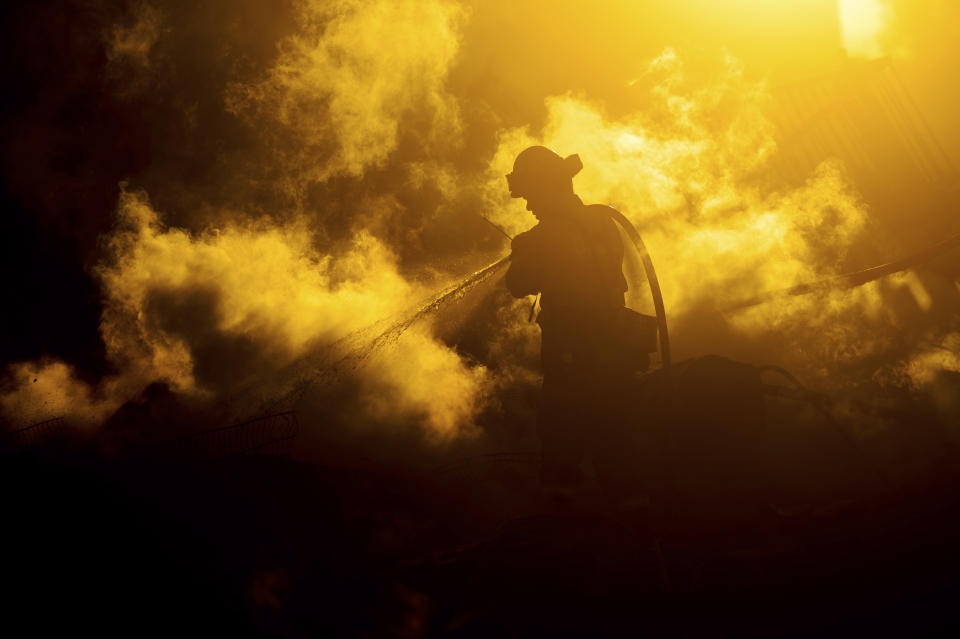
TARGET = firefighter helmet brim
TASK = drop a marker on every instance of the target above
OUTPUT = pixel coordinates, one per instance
(538, 166)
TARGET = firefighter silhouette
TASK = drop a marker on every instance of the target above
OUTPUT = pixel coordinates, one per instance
(573, 258)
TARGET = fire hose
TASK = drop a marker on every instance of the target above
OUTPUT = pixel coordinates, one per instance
(651, 273)
(843, 281)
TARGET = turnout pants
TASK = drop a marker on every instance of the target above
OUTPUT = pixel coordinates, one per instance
(584, 415)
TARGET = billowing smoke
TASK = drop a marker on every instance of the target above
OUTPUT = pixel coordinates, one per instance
(355, 72)
(923, 367)
(228, 306)
(207, 313)
(336, 188)
(50, 389)
(691, 168)
(213, 313)
(134, 42)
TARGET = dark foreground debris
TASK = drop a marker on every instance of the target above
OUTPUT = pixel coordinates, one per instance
(755, 518)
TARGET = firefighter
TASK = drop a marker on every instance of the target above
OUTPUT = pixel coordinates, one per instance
(573, 258)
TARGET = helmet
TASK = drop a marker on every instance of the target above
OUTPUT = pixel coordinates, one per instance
(539, 166)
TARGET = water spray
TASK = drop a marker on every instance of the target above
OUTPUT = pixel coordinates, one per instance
(535, 307)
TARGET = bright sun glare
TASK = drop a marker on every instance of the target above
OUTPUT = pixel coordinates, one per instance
(862, 22)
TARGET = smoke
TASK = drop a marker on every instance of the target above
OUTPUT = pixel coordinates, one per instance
(341, 86)
(135, 41)
(332, 186)
(212, 313)
(689, 168)
(419, 377)
(260, 294)
(242, 296)
(45, 390)
(923, 368)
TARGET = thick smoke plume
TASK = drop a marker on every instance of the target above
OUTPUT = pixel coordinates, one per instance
(216, 310)
(344, 84)
(691, 169)
(346, 191)
(213, 313)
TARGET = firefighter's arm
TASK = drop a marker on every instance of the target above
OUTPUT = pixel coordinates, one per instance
(524, 275)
